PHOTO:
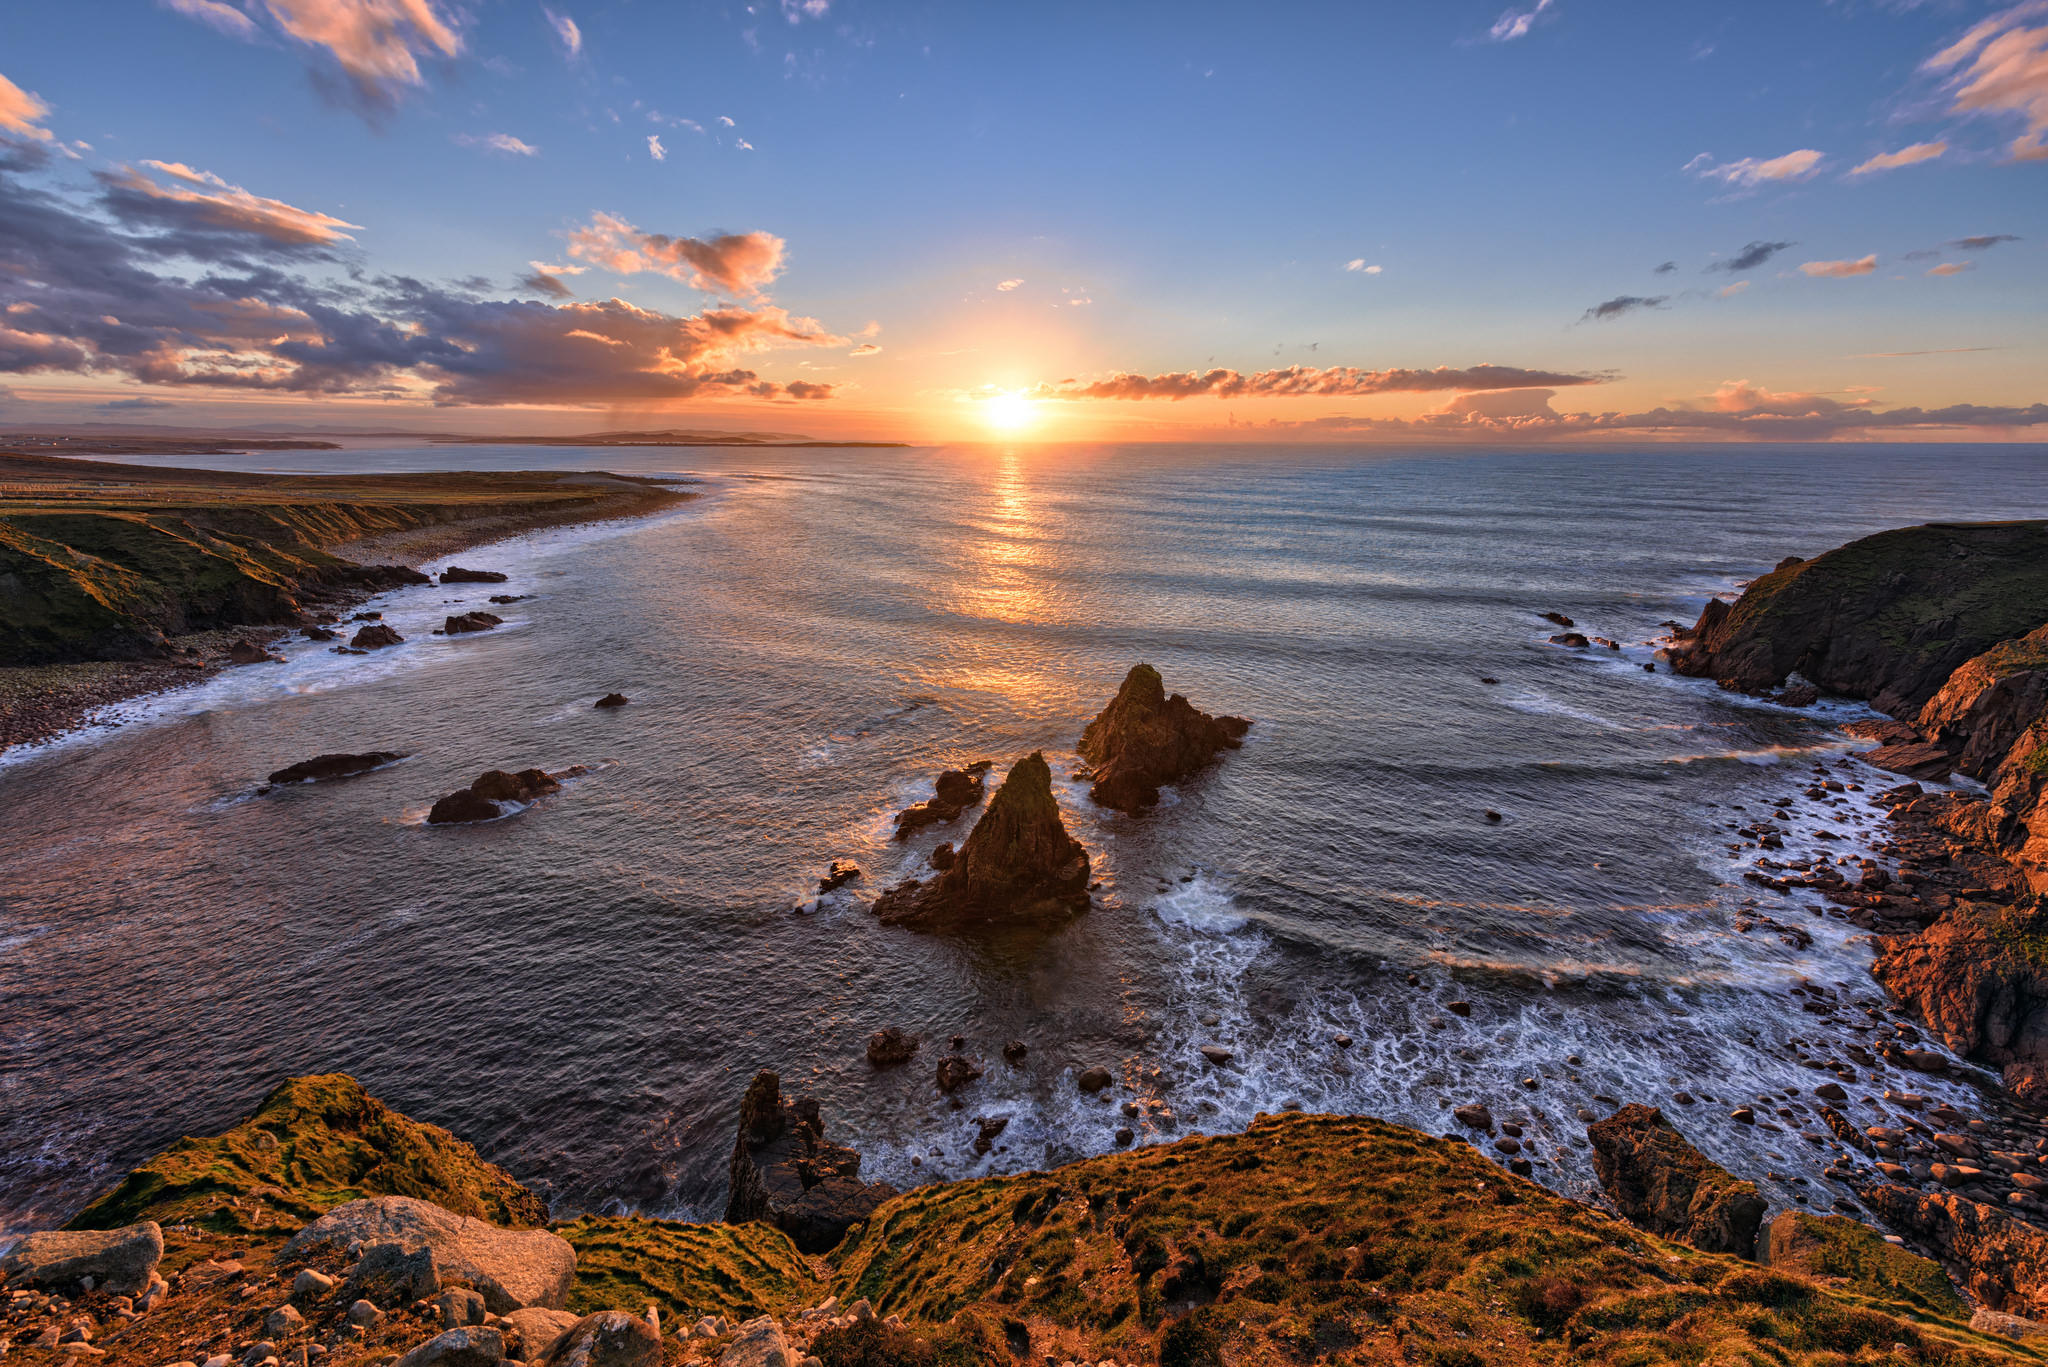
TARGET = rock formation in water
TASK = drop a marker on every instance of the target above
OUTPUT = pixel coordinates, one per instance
(482, 800)
(610, 700)
(323, 767)
(1888, 618)
(1019, 867)
(1668, 1187)
(375, 637)
(953, 793)
(1145, 740)
(455, 574)
(470, 621)
(783, 1171)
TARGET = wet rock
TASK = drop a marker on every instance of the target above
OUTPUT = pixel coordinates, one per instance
(1217, 1054)
(1014, 1052)
(1559, 619)
(1019, 867)
(375, 637)
(953, 793)
(609, 1338)
(1145, 740)
(1572, 640)
(1915, 760)
(1458, 1008)
(455, 574)
(890, 1046)
(783, 1172)
(320, 633)
(471, 621)
(611, 700)
(989, 1127)
(1799, 695)
(944, 856)
(120, 1261)
(842, 872)
(510, 597)
(1093, 1080)
(956, 1071)
(245, 652)
(323, 767)
(481, 800)
(1474, 1116)
(1666, 1186)
(467, 1347)
(510, 1268)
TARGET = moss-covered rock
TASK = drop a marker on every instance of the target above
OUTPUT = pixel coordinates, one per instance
(738, 1271)
(312, 1144)
(1887, 618)
(1836, 1249)
(1348, 1239)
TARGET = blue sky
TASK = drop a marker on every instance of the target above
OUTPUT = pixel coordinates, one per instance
(1177, 191)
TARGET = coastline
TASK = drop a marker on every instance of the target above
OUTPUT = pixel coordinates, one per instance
(46, 701)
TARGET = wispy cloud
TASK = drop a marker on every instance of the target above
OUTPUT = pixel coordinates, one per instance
(866, 349)
(1750, 172)
(1357, 266)
(199, 201)
(22, 113)
(1621, 305)
(739, 263)
(215, 15)
(1978, 244)
(566, 31)
(796, 11)
(1515, 23)
(1300, 381)
(1952, 268)
(1839, 270)
(498, 142)
(1905, 156)
(654, 147)
(1007, 285)
(2000, 68)
(1667, 268)
(378, 44)
(1751, 256)
(1730, 291)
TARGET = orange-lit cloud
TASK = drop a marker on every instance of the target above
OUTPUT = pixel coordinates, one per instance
(1005, 286)
(377, 43)
(21, 112)
(1300, 381)
(201, 199)
(1839, 270)
(2000, 67)
(866, 349)
(1952, 268)
(1905, 156)
(739, 263)
(1749, 172)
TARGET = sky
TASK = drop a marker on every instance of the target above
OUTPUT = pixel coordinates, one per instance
(1456, 221)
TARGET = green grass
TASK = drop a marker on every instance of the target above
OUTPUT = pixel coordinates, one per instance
(690, 1271)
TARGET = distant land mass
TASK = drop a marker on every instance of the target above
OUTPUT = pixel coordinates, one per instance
(665, 437)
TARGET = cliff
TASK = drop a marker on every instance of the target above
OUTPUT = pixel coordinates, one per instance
(1888, 618)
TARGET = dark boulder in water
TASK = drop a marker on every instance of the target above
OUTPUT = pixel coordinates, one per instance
(481, 800)
(1018, 867)
(1572, 639)
(323, 767)
(956, 1071)
(784, 1173)
(455, 574)
(1144, 740)
(316, 632)
(955, 791)
(842, 872)
(890, 1046)
(471, 621)
(944, 855)
(247, 652)
(611, 700)
(375, 637)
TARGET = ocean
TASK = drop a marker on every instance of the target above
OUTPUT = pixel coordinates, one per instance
(584, 989)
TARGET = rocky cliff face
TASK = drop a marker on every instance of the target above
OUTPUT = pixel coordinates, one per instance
(1667, 1186)
(1019, 867)
(1984, 708)
(1145, 740)
(783, 1172)
(1888, 618)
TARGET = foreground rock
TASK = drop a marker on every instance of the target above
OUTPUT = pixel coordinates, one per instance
(783, 1172)
(1019, 867)
(1888, 618)
(954, 792)
(321, 768)
(487, 797)
(610, 1338)
(117, 1261)
(511, 1268)
(1145, 740)
(1999, 1260)
(1667, 1186)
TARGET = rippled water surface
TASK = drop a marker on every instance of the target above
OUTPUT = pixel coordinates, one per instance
(583, 989)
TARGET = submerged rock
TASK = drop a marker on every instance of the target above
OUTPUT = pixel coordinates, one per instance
(323, 767)
(375, 637)
(481, 800)
(954, 792)
(1018, 867)
(1145, 740)
(455, 574)
(956, 1071)
(783, 1172)
(1666, 1186)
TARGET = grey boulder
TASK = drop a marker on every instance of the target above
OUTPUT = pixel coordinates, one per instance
(539, 1328)
(119, 1261)
(510, 1268)
(760, 1344)
(610, 1338)
(458, 1348)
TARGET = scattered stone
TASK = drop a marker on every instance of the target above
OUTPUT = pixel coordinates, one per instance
(470, 621)
(283, 1322)
(310, 1283)
(1571, 639)
(467, 1347)
(760, 1343)
(1094, 1080)
(460, 1308)
(1474, 1116)
(246, 652)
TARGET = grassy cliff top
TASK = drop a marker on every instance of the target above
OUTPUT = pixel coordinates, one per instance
(312, 1144)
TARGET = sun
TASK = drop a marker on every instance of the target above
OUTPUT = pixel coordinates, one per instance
(1008, 412)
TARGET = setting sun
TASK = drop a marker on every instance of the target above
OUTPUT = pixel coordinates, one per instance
(1009, 412)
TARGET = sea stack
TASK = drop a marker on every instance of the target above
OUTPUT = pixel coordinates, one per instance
(784, 1172)
(1145, 739)
(1018, 867)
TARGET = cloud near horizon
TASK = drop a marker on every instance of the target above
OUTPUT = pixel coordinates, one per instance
(80, 295)
(1308, 381)
(2000, 68)
(1905, 156)
(738, 263)
(1840, 270)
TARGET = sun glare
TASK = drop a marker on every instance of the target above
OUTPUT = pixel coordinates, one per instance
(1008, 412)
